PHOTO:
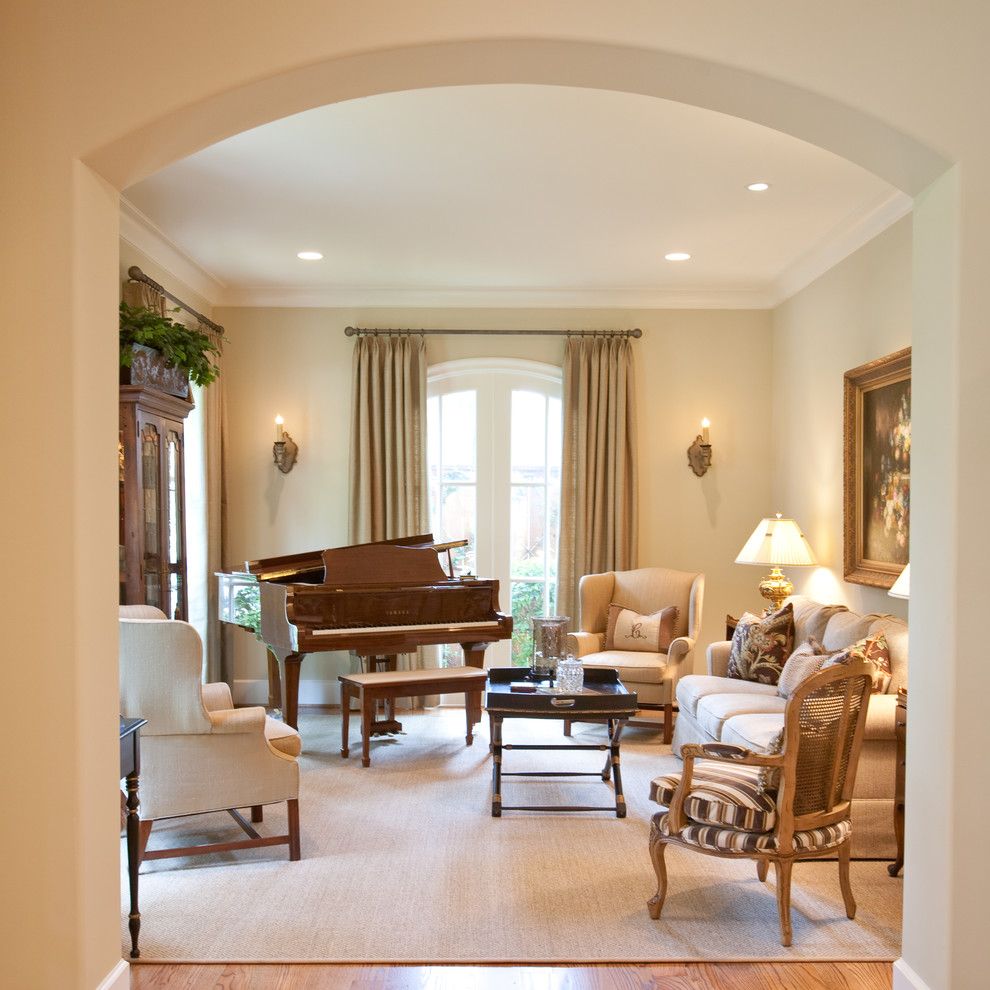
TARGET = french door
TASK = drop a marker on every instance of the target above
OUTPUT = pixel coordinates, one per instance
(494, 443)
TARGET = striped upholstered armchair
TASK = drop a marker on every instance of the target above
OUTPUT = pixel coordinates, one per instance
(781, 808)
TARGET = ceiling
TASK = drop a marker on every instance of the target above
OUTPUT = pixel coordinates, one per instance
(510, 195)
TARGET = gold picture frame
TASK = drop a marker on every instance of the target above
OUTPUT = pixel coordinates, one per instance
(877, 469)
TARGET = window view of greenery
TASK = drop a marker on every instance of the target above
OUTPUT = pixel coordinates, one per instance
(531, 486)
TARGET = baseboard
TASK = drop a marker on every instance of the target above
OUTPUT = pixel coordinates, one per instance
(906, 978)
(119, 978)
(311, 692)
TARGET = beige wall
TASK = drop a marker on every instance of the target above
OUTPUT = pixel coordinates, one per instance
(857, 311)
(900, 92)
(690, 364)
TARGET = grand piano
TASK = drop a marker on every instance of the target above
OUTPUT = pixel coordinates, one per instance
(378, 599)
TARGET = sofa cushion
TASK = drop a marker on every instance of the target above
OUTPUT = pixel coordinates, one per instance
(721, 794)
(692, 688)
(714, 709)
(811, 617)
(628, 630)
(761, 646)
(734, 840)
(633, 668)
(755, 730)
(807, 659)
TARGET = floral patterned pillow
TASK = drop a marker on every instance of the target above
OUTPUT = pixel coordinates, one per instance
(761, 646)
(873, 648)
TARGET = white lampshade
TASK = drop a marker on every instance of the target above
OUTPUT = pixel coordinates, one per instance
(902, 586)
(778, 542)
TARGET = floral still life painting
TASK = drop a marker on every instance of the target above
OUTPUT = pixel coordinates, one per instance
(877, 469)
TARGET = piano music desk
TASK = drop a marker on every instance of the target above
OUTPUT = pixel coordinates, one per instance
(387, 685)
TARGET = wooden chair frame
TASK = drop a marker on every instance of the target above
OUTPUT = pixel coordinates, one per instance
(857, 676)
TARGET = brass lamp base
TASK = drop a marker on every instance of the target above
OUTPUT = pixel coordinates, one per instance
(775, 587)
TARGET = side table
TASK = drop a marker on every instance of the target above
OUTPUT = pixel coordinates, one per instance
(130, 769)
(900, 733)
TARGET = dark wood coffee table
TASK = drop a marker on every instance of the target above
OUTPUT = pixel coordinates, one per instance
(604, 700)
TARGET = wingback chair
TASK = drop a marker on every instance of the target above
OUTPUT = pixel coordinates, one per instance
(646, 590)
(198, 753)
(731, 802)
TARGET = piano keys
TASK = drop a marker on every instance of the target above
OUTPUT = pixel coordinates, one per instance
(378, 599)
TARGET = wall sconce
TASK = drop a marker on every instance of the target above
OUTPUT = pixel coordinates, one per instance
(700, 452)
(284, 450)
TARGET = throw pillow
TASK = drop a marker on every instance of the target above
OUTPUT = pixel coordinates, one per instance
(760, 647)
(628, 630)
(807, 659)
(872, 648)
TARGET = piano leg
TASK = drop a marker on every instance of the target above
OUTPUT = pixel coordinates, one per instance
(474, 654)
(290, 664)
(274, 687)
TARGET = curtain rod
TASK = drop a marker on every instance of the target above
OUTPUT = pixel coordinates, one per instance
(137, 275)
(637, 333)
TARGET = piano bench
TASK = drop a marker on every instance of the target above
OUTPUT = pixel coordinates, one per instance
(385, 685)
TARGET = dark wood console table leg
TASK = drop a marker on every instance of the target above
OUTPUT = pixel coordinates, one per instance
(133, 862)
(900, 734)
(496, 724)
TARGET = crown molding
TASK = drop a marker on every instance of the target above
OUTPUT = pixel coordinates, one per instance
(144, 234)
(509, 297)
(842, 241)
(845, 239)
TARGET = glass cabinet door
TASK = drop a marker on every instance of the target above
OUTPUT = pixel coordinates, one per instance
(151, 565)
(176, 542)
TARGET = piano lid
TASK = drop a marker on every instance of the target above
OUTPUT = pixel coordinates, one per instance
(310, 566)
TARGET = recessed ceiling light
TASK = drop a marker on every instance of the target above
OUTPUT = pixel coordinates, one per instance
(310, 255)
(758, 186)
(677, 256)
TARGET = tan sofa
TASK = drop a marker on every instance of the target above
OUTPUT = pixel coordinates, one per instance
(717, 708)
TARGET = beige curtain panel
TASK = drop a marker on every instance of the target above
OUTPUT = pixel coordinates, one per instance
(138, 294)
(214, 398)
(598, 491)
(388, 496)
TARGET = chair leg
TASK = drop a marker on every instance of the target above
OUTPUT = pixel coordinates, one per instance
(783, 870)
(847, 894)
(294, 845)
(657, 849)
(567, 726)
(257, 813)
(668, 723)
(761, 870)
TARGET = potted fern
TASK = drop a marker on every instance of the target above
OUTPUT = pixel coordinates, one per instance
(158, 352)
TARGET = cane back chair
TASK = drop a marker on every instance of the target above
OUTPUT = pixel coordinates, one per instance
(778, 808)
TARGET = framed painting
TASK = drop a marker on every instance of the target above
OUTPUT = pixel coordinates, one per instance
(877, 469)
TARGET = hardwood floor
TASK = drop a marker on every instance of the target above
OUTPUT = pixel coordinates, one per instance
(668, 976)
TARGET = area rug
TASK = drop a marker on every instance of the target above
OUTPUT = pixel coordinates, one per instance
(402, 862)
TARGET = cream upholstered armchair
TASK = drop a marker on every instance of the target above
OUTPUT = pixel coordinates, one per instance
(198, 753)
(778, 807)
(646, 591)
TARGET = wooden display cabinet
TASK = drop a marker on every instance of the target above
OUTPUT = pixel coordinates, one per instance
(152, 500)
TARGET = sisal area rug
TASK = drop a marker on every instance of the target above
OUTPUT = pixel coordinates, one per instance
(403, 863)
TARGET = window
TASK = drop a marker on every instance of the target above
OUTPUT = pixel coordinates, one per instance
(494, 442)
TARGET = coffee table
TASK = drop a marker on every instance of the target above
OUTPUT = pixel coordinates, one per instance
(604, 699)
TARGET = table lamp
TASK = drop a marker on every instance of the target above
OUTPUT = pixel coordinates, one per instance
(778, 542)
(902, 586)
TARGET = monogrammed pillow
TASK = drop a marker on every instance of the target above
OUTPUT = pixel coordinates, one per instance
(628, 630)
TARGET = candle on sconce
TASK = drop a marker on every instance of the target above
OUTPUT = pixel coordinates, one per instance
(705, 434)
(278, 428)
